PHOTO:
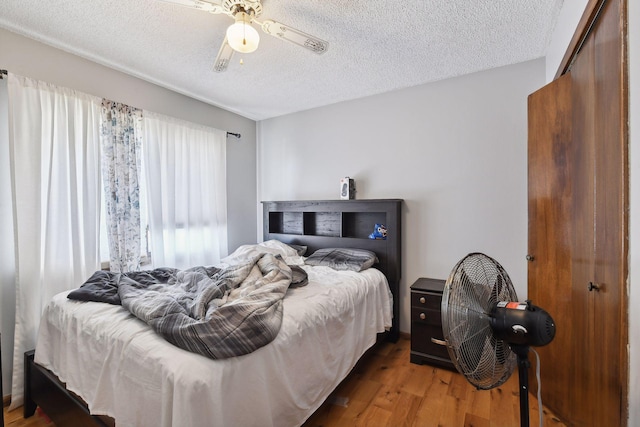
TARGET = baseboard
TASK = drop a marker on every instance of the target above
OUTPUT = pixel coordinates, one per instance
(6, 400)
(405, 335)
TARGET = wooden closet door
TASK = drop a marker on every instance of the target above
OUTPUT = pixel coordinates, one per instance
(611, 206)
(582, 391)
(550, 231)
(580, 190)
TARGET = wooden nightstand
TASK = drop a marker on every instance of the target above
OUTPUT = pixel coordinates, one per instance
(427, 341)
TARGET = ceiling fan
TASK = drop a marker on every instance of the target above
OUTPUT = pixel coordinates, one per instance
(242, 36)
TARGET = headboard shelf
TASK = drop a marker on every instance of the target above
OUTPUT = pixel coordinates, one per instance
(323, 221)
(341, 224)
(335, 224)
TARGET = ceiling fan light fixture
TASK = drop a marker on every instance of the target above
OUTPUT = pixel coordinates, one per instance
(241, 35)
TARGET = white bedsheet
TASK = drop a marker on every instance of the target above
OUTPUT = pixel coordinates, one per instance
(123, 369)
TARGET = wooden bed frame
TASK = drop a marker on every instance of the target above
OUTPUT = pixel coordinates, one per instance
(315, 224)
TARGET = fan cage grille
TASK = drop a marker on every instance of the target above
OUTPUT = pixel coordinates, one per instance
(476, 284)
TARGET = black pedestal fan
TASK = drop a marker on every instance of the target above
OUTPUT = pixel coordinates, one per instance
(486, 330)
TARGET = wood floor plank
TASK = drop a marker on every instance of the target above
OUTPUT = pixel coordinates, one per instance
(480, 404)
(405, 409)
(453, 411)
(503, 404)
(353, 412)
(433, 402)
(365, 391)
(374, 416)
(414, 382)
(383, 371)
(472, 420)
(459, 388)
(15, 419)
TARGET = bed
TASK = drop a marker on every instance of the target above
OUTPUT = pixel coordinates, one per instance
(95, 355)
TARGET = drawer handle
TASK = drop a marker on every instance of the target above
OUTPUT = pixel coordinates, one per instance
(423, 316)
(439, 342)
(422, 300)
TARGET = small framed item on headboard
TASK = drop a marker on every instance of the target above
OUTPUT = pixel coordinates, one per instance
(347, 188)
(342, 224)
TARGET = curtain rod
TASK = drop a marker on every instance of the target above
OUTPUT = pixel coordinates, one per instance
(237, 135)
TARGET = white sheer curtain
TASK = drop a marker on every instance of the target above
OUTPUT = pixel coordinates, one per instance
(7, 253)
(55, 169)
(186, 190)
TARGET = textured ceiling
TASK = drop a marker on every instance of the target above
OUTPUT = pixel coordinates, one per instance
(375, 46)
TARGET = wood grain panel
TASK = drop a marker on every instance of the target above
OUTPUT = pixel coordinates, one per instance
(610, 212)
(550, 228)
(583, 254)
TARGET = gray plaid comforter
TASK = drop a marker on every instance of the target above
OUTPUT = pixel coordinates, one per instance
(218, 313)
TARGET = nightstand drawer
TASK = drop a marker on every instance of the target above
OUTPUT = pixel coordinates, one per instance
(421, 342)
(426, 316)
(426, 300)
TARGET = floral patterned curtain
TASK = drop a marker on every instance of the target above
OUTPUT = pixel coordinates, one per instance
(121, 135)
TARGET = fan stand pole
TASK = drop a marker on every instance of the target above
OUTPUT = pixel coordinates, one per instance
(522, 351)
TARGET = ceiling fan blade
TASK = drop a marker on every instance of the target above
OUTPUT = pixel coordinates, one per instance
(292, 35)
(210, 6)
(224, 56)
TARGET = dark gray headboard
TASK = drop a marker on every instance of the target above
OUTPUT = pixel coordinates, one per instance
(342, 224)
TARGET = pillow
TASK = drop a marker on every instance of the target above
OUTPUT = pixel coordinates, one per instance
(275, 247)
(286, 250)
(300, 249)
(343, 259)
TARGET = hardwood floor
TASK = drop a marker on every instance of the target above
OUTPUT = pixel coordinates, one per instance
(14, 418)
(385, 389)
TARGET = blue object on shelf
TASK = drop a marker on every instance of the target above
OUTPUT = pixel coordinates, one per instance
(379, 232)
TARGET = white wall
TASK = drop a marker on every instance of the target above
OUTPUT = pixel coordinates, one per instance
(454, 150)
(634, 213)
(26, 57)
(568, 20)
